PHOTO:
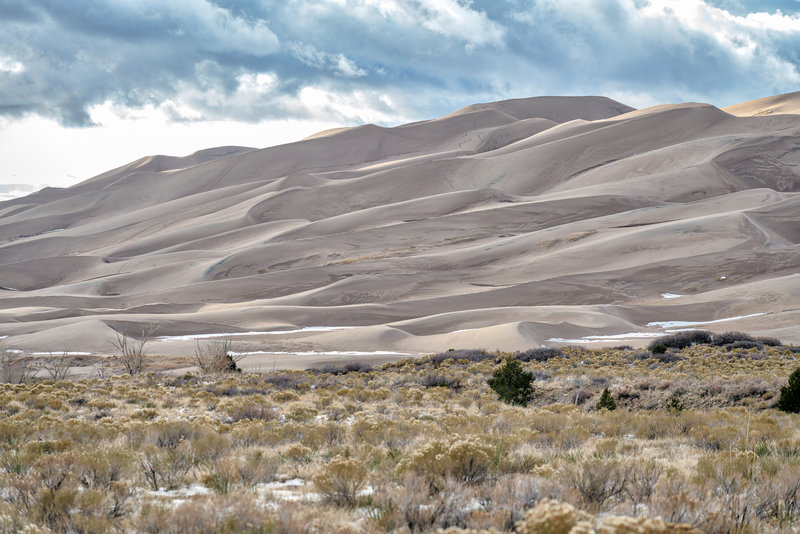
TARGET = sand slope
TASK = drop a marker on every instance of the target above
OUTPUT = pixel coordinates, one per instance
(503, 225)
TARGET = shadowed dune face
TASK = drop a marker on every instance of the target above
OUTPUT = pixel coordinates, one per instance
(504, 225)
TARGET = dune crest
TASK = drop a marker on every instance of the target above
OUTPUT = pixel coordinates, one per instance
(501, 225)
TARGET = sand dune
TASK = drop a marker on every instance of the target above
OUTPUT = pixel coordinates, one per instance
(503, 225)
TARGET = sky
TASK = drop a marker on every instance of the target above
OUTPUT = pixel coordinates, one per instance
(89, 85)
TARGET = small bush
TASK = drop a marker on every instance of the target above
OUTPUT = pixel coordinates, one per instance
(554, 517)
(352, 367)
(475, 355)
(436, 380)
(606, 401)
(539, 355)
(681, 340)
(466, 460)
(730, 337)
(789, 400)
(511, 383)
(658, 348)
(340, 481)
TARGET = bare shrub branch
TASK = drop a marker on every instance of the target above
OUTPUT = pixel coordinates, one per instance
(131, 351)
(57, 366)
(216, 357)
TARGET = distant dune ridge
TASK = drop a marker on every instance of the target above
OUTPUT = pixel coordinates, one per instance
(504, 226)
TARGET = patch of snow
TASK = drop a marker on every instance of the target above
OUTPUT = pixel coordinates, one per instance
(606, 338)
(325, 352)
(54, 353)
(675, 324)
(670, 296)
(8, 288)
(192, 490)
(190, 337)
(288, 490)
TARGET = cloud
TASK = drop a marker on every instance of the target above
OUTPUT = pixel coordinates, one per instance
(382, 60)
(336, 63)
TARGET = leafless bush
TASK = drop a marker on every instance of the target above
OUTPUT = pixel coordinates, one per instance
(165, 467)
(597, 480)
(422, 512)
(14, 369)
(216, 357)
(474, 355)
(131, 351)
(252, 411)
(433, 380)
(642, 478)
(352, 367)
(57, 366)
(539, 355)
(681, 340)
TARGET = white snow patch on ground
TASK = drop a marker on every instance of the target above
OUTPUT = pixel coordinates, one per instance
(677, 324)
(289, 490)
(606, 338)
(176, 497)
(59, 353)
(326, 353)
(670, 296)
(667, 326)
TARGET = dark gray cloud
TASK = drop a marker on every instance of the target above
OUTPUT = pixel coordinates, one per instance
(355, 60)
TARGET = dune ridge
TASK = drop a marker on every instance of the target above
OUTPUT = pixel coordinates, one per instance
(502, 225)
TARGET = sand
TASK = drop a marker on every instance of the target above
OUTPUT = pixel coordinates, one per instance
(506, 225)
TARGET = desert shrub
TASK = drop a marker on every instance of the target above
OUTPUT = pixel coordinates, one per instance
(340, 480)
(433, 380)
(668, 356)
(642, 477)
(475, 355)
(412, 506)
(596, 480)
(606, 401)
(352, 367)
(734, 340)
(165, 467)
(251, 410)
(658, 348)
(284, 380)
(553, 517)
(466, 460)
(641, 525)
(216, 357)
(539, 354)
(511, 383)
(727, 338)
(789, 401)
(681, 340)
(769, 341)
(223, 515)
(746, 345)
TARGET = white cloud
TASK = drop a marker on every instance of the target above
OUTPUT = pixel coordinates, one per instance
(336, 63)
(9, 65)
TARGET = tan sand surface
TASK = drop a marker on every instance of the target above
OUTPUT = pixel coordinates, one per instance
(504, 225)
